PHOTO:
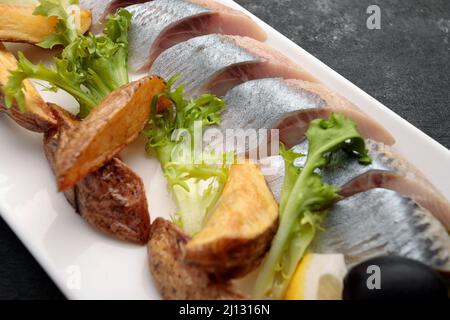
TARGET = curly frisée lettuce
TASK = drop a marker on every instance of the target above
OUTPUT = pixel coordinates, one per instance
(304, 199)
(88, 68)
(66, 27)
(195, 177)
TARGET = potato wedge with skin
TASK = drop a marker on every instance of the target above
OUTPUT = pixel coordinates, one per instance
(112, 199)
(37, 116)
(18, 24)
(113, 124)
(175, 279)
(240, 229)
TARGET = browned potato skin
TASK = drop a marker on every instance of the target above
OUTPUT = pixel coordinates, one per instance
(224, 248)
(113, 124)
(111, 199)
(108, 211)
(175, 279)
(18, 24)
(37, 115)
(65, 121)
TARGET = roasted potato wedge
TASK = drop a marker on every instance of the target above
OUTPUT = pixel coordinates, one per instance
(113, 124)
(111, 199)
(37, 116)
(18, 24)
(240, 229)
(175, 279)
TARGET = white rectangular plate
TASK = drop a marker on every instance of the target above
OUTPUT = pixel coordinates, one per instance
(70, 250)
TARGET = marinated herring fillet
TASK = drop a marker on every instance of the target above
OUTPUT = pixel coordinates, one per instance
(289, 105)
(100, 9)
(387, 170)
(111, 199)
(381, 221)
(176, 279)
(160, 24)
(215, 63)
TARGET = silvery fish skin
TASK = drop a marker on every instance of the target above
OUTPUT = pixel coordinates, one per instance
(97, 8)
(373, 222)
(101, 8)
(273, 167)
(215, 63)
(160, 24)
(199, 59)
(381, 221)
(387, 170)
(289, 106)
(261, 103)
(151, 19)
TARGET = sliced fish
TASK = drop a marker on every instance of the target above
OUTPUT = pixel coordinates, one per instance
(160, 24)
(381, 221)
(289, 105)
(215, 63)
(100, 9)
(387, 170)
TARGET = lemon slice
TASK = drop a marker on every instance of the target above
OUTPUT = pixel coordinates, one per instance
(318, 277)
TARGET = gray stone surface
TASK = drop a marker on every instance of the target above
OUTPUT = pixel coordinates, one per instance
(405, 65)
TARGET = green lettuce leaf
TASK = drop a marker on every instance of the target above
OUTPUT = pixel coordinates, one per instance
(89, 68)
(304, 199)
(66, 29)
(195, 185)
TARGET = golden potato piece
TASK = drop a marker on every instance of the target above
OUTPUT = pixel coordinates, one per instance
(175, 279)
(111, 199)
(240, 229)
(37, 116)
(18, 24)
(113, 124)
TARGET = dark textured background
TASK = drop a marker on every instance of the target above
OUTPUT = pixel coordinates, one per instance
(405, 65)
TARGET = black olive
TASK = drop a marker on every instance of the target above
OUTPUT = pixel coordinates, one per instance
(391, 277)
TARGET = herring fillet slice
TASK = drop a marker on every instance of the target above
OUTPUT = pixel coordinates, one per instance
(215, 63)
(160, 24)
(381, 221)
(387, 170)
(101, 8)
(293, 125)
(289, 105)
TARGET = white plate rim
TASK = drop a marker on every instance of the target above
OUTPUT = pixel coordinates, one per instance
(424, 152)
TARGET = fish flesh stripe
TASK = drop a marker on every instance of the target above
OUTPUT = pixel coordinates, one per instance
(381, 221)
(289, 105)
(215, 63)
(387, 170)
(101, 8)
(160, 24)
